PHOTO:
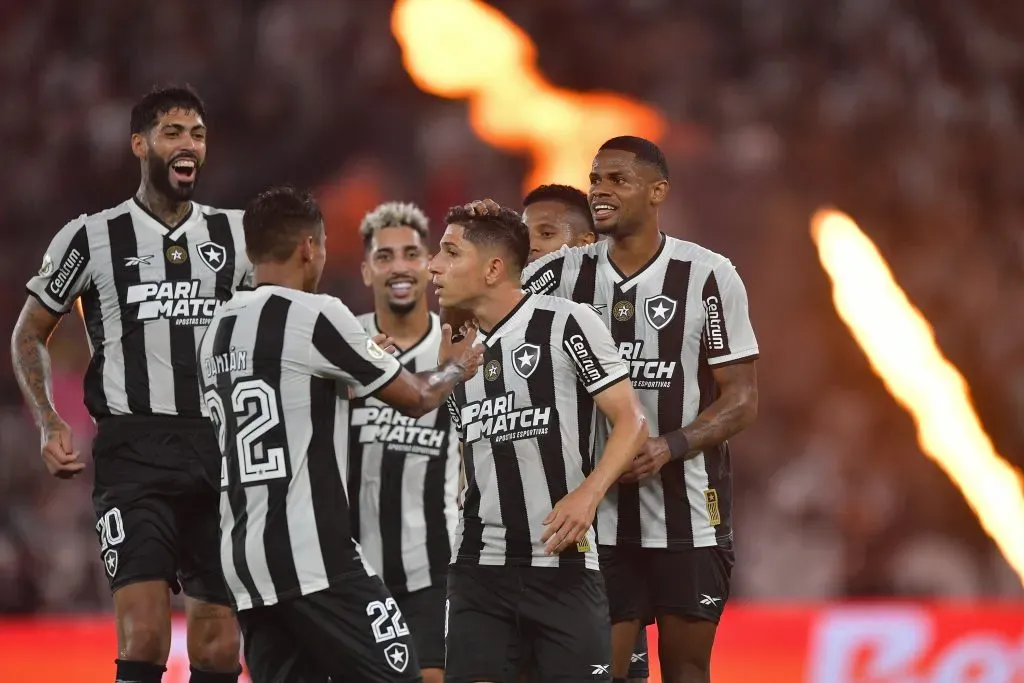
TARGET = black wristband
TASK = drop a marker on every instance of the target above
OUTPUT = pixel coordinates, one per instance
(678, 444)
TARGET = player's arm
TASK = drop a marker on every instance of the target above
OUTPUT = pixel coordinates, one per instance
(731, 348)
(590, 348)
(52, 293)
(341, 349)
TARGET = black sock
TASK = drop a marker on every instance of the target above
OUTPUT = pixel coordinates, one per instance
(200, 676)
(139, 672)
(619, 680)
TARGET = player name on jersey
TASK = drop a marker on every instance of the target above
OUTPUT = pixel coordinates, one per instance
(672, 321)
(148, 291)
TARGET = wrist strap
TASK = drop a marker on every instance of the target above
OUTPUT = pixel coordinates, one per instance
(678, 444)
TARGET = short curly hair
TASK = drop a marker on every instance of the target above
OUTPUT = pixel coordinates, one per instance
(394, 215)
(566, 194)
(504, 229)
(276, 219)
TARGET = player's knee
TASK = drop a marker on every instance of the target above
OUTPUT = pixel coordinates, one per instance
(144, 640)
(213, 638)
(688, 670)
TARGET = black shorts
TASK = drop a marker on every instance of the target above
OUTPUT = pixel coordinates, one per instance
(644, 583)
(424, 612)
(353, 632)
(495, 615)
(157, 500)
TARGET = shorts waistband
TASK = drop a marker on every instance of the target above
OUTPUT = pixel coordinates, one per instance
(154, 423)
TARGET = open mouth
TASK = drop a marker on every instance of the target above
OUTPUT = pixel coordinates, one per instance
(401, 288)
(602, 210)
(184, 170)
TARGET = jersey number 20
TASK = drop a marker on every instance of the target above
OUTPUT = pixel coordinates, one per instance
(254, 405)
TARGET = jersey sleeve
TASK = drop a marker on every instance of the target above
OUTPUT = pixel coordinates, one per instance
(590, 347)
(64, 273)
(546, 275)
(456, 415)
(728, 336)
(342, 350)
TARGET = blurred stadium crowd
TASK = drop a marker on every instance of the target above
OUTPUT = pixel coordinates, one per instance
(909, 120)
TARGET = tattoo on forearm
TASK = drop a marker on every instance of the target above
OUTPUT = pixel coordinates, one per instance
(32, 369)
(444, 377)
(722, 420)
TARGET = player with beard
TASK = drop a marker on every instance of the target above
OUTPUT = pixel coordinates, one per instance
(403, 473)
(559, 216)
(150, 273)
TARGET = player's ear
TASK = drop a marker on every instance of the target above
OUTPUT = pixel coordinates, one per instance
(364, 268)
(307, 246)
(495, 271)
(587, 238)
(659, 190)
(139, 146)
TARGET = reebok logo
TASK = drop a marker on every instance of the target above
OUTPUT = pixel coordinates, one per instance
(709, 601)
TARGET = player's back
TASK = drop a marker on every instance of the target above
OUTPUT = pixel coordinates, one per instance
(271, 367)
(148, 291)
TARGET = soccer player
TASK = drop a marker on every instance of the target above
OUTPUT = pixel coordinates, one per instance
(149, 272)
(404, 473)
(678, 313)
(525, 568)
(558, 216)
(277, 363)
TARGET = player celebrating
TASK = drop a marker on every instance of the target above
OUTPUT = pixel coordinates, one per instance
(150, 273)
(678, 313)
(558, 216)
(275, 365)
(403, 474)
(524, 571)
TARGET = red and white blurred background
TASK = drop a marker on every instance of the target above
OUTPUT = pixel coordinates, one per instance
(879, 510)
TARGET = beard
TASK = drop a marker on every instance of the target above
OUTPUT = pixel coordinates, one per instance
(160, 179)
(402, 307)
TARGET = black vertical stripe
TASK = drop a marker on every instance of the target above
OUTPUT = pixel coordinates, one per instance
(439, 550)
(95, 394)
(714, 334)
(717, 459)
(676, 284)
(623, 328)
(330, 344)
(472, 526)
(327, 490)
(266, 365)
(355, 470)
(392, 472)
(182, 337)
(124, 246)
(543, 387)
(220, 233)
(511, 496)
(586, 281)
(236, 494)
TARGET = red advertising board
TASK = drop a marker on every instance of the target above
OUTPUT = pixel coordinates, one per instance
(871, 643)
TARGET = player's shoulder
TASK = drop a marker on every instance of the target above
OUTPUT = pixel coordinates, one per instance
(683, 250)
(99, 219)
(562, 306)
(234, 216)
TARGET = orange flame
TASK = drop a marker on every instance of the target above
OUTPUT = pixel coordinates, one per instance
(900, 345)
(466, 49)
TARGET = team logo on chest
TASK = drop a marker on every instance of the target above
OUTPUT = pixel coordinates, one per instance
(659, 310)
(525, 359)
(622, 311)
(213, 255)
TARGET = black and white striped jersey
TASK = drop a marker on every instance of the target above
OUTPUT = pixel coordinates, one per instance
(527, 424)
(148, 292)
(679, 316)
(276, 367)
(403, 480)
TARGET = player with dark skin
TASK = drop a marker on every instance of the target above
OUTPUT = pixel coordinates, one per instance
(171, 154)
(625, 195)
(557, 216)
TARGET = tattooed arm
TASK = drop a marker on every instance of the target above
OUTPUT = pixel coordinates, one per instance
(734, 410)
(31, 360)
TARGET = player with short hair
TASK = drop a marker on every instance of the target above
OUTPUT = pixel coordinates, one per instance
(277, 365)
(403, 474)
(149, 273)
(679, 315)
(525, 569)
(559, 216)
